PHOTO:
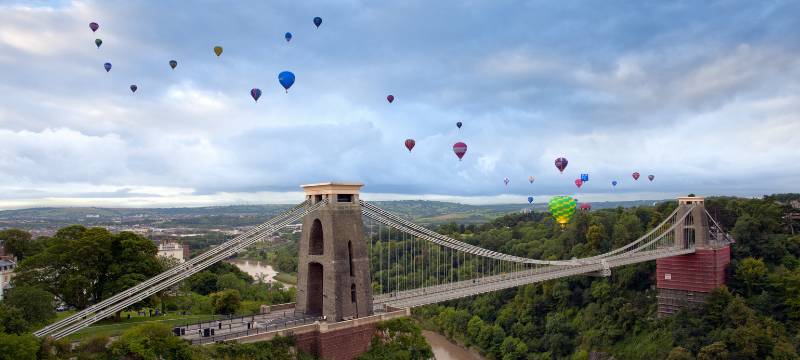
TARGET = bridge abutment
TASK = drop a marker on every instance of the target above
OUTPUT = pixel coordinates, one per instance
(685, 281)
(333, 269)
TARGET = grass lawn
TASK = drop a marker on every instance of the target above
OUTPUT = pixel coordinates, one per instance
(286, 278)
(114, 328)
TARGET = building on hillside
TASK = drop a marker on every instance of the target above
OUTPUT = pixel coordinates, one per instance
(186, 251)
(6, 273)
(171, 249)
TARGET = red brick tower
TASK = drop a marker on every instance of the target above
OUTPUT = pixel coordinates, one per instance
(685, 281)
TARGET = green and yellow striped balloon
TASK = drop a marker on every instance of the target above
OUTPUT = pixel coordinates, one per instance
(562, 208)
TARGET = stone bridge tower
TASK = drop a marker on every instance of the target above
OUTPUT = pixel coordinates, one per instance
(333, 276)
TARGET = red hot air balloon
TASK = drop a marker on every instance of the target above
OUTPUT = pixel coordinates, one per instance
(410, 144)
(94, 26)
(636, 176)
(579, 182)
(586, 207)
(390, 98)
(561, 164)
(460, 149)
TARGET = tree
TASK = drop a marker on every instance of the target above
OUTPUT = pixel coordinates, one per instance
(12, 321)
(226, 301)
(751, 276)
(716, 303)
(19, 243)
(400, 339)
(715, 351)
(595, 236)
(81, 266)
(680, 353)
(151, 340)
(36, 304)
(18, 347)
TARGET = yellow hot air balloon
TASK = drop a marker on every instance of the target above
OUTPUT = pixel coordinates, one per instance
(562, 208)
(218, 50)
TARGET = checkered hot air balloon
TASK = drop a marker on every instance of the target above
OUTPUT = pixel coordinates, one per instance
(562, 208)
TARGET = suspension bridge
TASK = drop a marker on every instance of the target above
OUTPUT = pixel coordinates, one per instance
(357, 260)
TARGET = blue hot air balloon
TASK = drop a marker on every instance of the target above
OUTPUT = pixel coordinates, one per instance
(458, 124)
(288, 37)
(317, 21)
(614, 183)
(255, 93)
(530, 199)
(286, 79)
(107, 66)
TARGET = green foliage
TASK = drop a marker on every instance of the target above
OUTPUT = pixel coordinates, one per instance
(400, 339)
(18, 347)
(20, 243)
(35, 304)
(226, 301)
(81, 266)
(151, 340)
(12, 320)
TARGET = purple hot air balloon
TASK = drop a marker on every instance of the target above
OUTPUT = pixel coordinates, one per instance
(636, 176)
(390, 98)
(561, 164)
(107, 66)
(458, 124)
(94, 26)
(255, 93)
(505, 181)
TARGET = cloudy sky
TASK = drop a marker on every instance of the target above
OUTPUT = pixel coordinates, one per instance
(703, 95)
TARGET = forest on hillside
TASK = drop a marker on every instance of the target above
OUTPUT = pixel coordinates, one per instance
(755, 316)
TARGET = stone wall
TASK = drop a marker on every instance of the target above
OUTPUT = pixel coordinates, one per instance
(344, 340)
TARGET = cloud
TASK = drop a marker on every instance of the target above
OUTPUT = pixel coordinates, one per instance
(700, 95)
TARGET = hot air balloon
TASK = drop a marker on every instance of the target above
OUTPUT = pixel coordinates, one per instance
(458, 124)
(390, 98)
(505, 181)
(460, 149)
(586, 207)
(614, 183)
(584, 177)
(94, 26)
(317, 21)
(286, 79)
(255, 93)
(98, 42)
(561, 164)
(651, 177)
(578, 182)
(218, 50)
(530, 199)
(133, 88)
(525, 211)
(636, 176)
(173, 64)
(531, 179)
(562, 208)
(288, 37)
(107, 66)
(410, 144)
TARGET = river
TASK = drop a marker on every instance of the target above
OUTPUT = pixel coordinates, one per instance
(445, 350)
(255, 267)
